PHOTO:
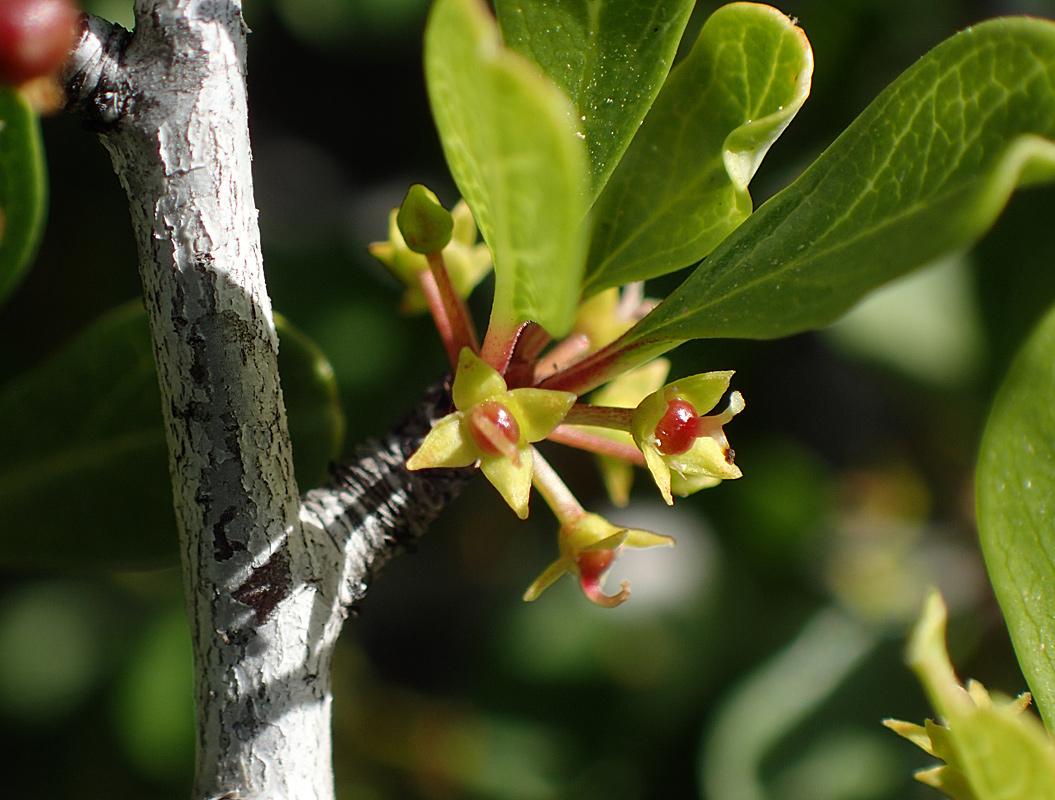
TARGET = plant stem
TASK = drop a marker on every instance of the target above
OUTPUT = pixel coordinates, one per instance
(439, 316)
(554, 491)
(462, 329)
(607, 363)
(621, 419)
(499, 342)
(565, 353)
(593, 443)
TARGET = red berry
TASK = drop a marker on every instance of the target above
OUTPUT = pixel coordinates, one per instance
(593, 563)
(494, 428)
(36, 36)
(678, 428)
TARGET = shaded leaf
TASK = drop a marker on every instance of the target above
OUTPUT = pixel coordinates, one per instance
(611, 58)
(1016, 509)
(84, 479)
(22, 188)
(682, 186)
(510, 139)
(924, 170)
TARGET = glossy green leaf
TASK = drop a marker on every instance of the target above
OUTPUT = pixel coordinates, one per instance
(682, 186)
(923, 171)
(610, 56)
(1016, 509)
(22, 188)
(510, 139)
(84, 479)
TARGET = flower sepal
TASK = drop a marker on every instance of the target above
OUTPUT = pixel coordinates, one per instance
(679, 443)
(589, 545)
(467, 262)
(494, 427)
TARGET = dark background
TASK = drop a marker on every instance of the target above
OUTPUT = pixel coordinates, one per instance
(857, 447)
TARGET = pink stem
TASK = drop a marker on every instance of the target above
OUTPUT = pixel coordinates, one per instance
(498, 345)
(462, 329)
(567, 352)
(605, 364)
(621, 419)
(439, 316)
(596, 444)
(554, 491)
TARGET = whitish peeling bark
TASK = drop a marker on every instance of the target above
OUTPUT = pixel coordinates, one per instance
(268, 582)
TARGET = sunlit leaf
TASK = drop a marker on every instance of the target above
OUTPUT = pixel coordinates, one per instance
(84, 479)
(610, 56)
(923, 171)
(510, 139)
(22, 188)
(682, 186)
(1016, 509)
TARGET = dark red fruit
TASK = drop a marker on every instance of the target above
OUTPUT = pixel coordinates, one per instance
(494, 428)
(593, 563)
(36, 36)
(678, 428)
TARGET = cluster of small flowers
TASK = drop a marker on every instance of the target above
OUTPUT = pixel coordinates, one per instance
(501, 410)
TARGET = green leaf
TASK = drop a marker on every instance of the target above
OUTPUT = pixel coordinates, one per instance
(611, 58)
(511, 143)
(23, 188)
(682, 186)
(923, 171)
(993, 748)
(84, 479)
(1016, 509)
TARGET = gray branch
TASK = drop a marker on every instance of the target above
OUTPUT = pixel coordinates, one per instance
(269, 579)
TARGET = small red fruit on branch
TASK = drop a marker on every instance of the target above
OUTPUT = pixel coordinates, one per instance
(678, 429)
(36, 36)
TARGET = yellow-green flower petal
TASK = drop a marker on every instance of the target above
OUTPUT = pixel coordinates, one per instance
(512, 480)
(548, 577)
(539, 411)
(630, 388)
(446, 445)
(707, 457)
(475, 382)
(638, 539)
(689, 485)
(704, 390)
(660, 472)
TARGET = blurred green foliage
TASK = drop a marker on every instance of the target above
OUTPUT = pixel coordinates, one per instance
(858, 472)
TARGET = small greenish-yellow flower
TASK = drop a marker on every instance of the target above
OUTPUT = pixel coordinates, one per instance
(588, 546)
(677, 442)
(467, 262)
(625, 391)
(494, 426)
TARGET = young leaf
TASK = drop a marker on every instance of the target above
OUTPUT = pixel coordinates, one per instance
(84, 479)
(682, 186)
(22, 188)
(510, 139)
(1016, 509)
(992, 747)
(610, 56)
(925, 169)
